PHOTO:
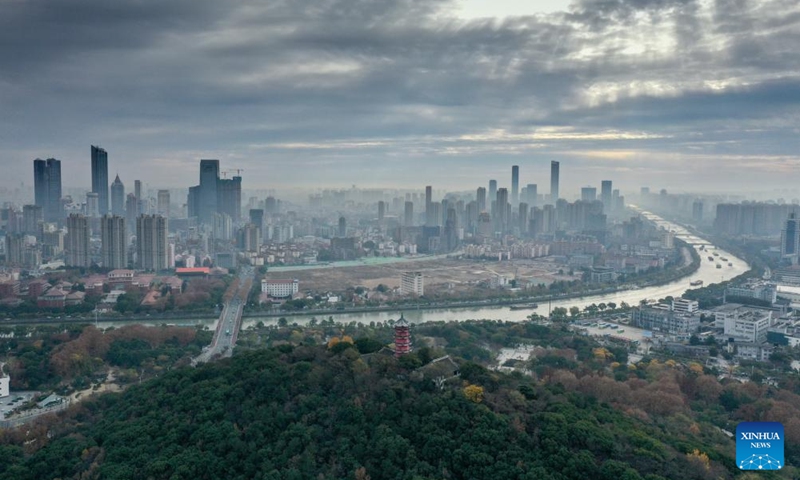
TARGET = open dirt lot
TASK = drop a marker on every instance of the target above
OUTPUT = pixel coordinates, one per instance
(441, 275)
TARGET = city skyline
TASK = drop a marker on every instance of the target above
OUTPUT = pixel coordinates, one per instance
(673, 90)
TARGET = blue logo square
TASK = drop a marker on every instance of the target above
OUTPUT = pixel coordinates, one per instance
(759, 446)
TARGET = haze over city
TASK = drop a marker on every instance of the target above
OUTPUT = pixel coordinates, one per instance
(697, 94)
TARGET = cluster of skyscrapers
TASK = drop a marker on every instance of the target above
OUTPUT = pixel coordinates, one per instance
(495, 211)
(125, 223)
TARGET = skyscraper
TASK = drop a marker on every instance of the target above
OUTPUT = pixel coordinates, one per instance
(481, 199)
(381, 210)
(605, 195)
(117, 197)
(790, 236)
(131, 212)
(257, 218)
(47, 188)
(114, 251)
(492, 191)
(342, 227)
(209, 178)
(429, 206)
(32, 216)
(100, 178)
(77, 241)
(163, 203)
(141, 202)
(533, 194)
(502, 209)
(229, 197)
(588, 194)
(92, 204)
(151, 242)
(515, 184)
(554, 166)
(409, 214)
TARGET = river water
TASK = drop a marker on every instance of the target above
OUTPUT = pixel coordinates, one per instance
(707, 272)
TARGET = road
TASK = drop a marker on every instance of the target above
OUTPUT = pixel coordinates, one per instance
(230, 321)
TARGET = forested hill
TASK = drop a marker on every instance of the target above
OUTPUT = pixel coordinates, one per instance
(311, 413)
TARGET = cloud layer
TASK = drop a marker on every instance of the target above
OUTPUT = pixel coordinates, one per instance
(675, 93)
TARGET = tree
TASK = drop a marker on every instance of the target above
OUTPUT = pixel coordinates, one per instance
(574, 312)
(612, 305)
(474, 393)
(559, 314)
(282, 322)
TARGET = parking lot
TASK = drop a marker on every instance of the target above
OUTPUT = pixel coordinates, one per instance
(16, 399)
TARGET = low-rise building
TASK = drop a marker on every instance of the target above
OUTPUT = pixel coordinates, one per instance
(53, 298)
(757, 289)
(684, 305)
(661, 318)
(280, 288)
(744, 324)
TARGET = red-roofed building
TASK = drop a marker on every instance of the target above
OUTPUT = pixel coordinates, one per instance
(192, 272)
(53, 298)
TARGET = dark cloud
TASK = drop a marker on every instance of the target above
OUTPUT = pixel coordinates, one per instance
(337, 85)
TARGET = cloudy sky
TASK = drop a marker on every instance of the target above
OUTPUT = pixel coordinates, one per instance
(682, 94)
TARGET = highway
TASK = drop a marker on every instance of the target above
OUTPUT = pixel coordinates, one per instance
(230, 321)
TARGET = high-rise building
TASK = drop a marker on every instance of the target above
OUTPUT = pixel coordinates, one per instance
(163, 203)
(492, 193)
(229, 197)
(381, 210)
(481, 199)
(429, 222)
(32, 216)
(257, 218)
(131, 212)
(697, 211)
(515, 185)
(222, 227)
(409, 214)
(249, 238)
(92, 204)
(193, 202)
(790, 236)
(117, 197)
(533, 193)
(209, 180)
(271, 206)
(114, 251)
(502, 208)
(15, 249)
(47, 188)
(605, 195)
(412, 283)
(100, 178)
(554, 167)
(588, 194)
(77, 241)
(524, 219)
(342, 227)
(151, 242)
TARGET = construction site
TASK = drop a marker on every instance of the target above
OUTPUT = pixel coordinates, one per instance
(443, 276)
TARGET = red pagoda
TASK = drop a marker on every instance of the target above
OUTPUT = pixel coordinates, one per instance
(402, 337)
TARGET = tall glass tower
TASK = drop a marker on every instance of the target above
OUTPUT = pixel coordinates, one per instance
(554, 182)
(100, 178)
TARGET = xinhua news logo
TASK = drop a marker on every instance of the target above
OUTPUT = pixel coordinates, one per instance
(759, 446)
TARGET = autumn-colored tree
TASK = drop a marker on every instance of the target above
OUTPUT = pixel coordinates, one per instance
(474, 393)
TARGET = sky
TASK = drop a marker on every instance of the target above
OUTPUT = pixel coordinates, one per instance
(679, 94)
